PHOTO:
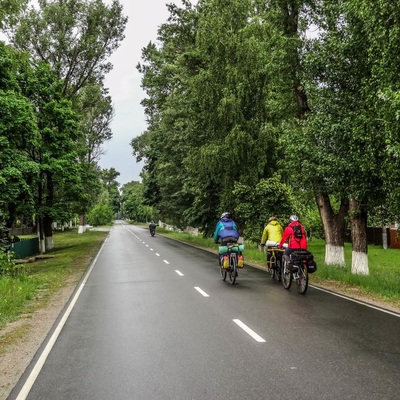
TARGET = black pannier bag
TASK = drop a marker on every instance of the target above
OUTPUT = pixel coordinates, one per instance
(298, 255)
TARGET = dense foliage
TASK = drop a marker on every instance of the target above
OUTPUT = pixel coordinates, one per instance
(55, 112)
(222, 91)
(252, 106)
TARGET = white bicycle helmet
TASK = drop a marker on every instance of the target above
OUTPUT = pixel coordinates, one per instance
(293, 218)
(225, 215)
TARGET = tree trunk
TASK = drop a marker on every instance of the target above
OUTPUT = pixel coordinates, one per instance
(40, 234)
(334, 228)
(358, 219)
(384, 237)
(82, 224)
(47, 202)
(48, 232)
(290, 11)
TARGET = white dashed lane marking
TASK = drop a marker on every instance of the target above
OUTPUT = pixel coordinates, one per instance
(201, 291)
(249, 331)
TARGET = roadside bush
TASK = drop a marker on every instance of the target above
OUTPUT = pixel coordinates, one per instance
(100, 215)
(8, 266)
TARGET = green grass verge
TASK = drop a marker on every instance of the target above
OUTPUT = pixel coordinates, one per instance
(71, 256)
(384, 265)
(384, 270)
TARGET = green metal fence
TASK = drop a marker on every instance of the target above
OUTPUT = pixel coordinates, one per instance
(25, 247)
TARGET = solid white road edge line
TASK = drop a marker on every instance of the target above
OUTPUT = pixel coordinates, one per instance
(202, 292)
(249, 331)
(40, 362)
(356, 301)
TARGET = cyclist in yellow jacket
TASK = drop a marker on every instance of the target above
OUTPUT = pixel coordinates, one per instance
(272, 233)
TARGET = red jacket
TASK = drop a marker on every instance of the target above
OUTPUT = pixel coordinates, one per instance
(294, 243)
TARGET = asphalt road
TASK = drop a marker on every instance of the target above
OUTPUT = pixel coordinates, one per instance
(154, 321)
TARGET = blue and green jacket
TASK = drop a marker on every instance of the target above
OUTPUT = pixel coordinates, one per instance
(225, 227)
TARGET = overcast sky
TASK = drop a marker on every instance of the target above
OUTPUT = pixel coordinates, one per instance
(145, 16)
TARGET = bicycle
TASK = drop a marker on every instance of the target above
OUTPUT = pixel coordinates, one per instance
(274, 262)
(152, 228)
(300, 265)
(233, 258)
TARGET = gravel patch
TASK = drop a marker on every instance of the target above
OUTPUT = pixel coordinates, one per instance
(20, 340)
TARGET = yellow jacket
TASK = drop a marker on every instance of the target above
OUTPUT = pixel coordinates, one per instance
(272, 232)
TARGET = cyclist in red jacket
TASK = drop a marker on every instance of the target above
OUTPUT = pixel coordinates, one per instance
(296, 235)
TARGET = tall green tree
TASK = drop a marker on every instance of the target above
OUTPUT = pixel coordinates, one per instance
(382, 33)
(214, 89)
(134, 203)
(76, 39)
(101, 213)
(18, 133)
(108, 177)
(165, 144)
(95, 107)
(344, 143)
(237, 92)
(39, 171)
(57, 153)
(9, 11)
(232, 96)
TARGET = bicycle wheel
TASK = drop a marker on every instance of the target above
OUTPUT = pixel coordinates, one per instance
(223, 272)
(286, 276)
(270, 270)
(278, 271)
(233, 268)
(302, 280)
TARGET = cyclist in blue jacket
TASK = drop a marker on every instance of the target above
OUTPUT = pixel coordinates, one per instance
(226, 230)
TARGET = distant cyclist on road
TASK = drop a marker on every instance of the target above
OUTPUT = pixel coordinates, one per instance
(152, 227)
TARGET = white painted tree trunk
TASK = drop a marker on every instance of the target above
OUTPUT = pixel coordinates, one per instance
(358, 220)
(82, 224)
(49, 242)
(334, 255)
(359, 263)
(333, 228)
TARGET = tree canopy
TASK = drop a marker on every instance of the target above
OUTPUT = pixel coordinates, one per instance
(243, 104)
(56, 111)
